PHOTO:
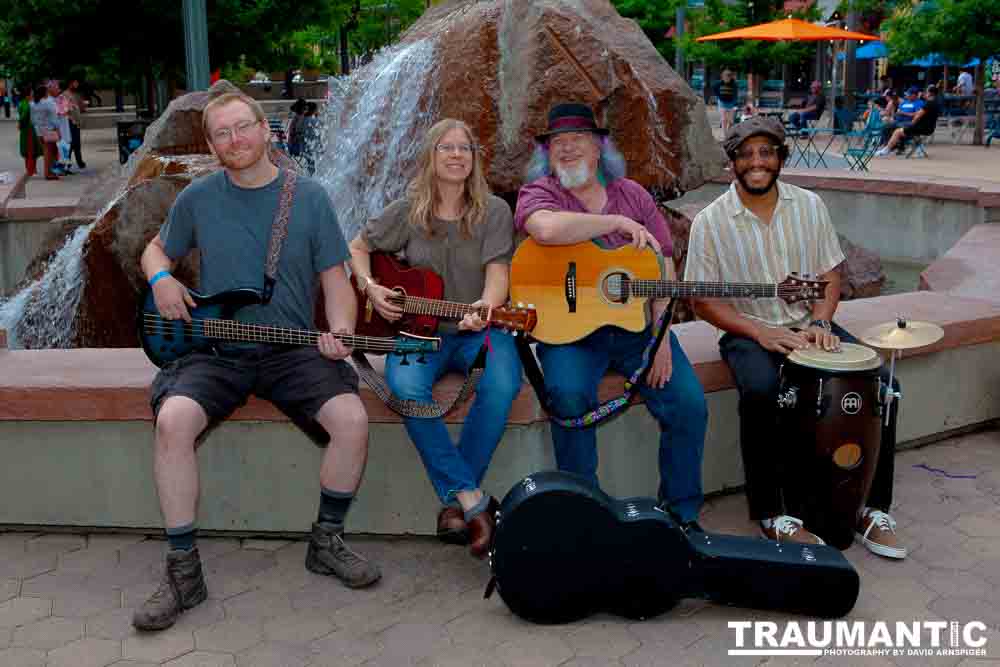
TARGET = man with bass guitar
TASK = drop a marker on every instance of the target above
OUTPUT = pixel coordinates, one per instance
(577, 191)
(228, 216)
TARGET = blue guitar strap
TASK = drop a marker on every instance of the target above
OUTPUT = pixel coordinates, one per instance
(279, 231)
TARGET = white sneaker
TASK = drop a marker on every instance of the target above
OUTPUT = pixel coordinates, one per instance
(882, 152)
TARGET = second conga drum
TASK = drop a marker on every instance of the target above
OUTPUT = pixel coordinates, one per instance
(830, 407)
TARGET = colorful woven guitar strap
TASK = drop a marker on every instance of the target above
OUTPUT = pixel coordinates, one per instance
(611, 407)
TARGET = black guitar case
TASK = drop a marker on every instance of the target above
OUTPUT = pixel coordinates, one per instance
(563, 549)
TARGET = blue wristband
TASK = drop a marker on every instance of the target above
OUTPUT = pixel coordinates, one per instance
(157, 276)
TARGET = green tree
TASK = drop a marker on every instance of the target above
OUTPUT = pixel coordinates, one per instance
(123, 42)
(960, 30)
(656, 18)
(752, 55)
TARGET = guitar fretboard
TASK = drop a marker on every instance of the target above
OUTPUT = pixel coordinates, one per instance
(452, 310)
(255, 333)
(661, 289)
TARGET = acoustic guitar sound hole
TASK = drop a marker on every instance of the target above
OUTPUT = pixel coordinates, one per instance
(615, 287)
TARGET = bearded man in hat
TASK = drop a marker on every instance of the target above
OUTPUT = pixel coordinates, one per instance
(577, 191)
(761, 230)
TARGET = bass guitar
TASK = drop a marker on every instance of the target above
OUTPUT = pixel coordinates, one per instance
(578, 288)
(165, 340)
(419, 291)
(563, 549)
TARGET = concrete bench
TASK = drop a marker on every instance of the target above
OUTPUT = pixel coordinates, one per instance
(76, 439)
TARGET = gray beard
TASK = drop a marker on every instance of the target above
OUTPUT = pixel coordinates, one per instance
(573, 178)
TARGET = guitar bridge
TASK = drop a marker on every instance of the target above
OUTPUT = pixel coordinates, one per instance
(571, 287)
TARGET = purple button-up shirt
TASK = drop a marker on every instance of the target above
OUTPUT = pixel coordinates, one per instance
(625, 197)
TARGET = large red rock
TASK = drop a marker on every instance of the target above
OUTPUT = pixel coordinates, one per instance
(500, 65)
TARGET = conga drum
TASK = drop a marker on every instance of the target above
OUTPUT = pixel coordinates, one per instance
(830, 405)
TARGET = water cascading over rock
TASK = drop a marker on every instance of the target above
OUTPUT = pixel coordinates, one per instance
(499, 65)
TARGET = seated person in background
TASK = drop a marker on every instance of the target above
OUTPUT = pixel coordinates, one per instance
(576, 191)
(876, 111)
(733, 240)
(815, 105)
(924, 123)
(965, 84)
(450, 222)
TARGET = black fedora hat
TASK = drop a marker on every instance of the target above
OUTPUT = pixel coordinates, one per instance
(570, 117)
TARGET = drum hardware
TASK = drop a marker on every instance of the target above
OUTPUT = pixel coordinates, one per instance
(788, 398)
(896, 336)
(819, 399)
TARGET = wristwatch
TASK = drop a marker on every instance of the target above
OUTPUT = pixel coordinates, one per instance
(822, 324)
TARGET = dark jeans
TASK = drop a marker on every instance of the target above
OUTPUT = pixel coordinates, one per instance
(572, 373)
(75, 147)
(756, 373)
(799, 120)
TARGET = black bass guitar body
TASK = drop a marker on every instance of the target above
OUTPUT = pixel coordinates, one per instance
(563, 550)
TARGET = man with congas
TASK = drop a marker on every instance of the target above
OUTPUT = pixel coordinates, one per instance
(761, 230)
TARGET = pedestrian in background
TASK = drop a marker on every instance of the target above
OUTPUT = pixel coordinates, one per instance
(75, 105)
(45, 120)
(28, 143)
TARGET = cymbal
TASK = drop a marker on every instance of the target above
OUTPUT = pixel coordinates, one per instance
(902, 334)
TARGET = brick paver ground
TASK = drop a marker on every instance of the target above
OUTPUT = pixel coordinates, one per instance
(67, 599)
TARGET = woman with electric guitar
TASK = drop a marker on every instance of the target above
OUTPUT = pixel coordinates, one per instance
(449, 222)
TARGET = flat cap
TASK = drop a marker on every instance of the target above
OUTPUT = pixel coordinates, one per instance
(752, 127)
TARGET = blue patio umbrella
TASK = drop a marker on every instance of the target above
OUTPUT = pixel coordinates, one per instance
(871, 50)
(931, 60)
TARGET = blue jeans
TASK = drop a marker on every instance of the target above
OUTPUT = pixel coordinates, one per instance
(572, 373)
(452, 469)
(800, 120)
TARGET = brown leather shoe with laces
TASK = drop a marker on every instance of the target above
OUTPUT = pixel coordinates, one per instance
(481, 529)
(451, 526)
(182, 588)
(328, 554)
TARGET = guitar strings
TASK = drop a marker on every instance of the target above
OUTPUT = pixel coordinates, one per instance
(210, 328)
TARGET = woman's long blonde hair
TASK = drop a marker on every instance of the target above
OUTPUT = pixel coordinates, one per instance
(423, 191)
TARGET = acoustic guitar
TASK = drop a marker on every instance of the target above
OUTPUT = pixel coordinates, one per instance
(563, 549)
(211, 322)
(576, 289)
(419, 291)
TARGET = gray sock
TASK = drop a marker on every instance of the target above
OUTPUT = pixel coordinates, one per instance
(479, 508)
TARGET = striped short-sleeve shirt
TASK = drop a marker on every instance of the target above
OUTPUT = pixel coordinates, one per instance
(729, 243)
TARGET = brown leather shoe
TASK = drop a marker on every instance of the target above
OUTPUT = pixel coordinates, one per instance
(481, 529)
(451, 526)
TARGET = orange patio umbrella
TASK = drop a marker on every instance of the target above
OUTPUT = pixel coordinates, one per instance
(794, 30)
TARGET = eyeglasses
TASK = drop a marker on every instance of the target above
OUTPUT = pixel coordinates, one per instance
(464, 149)
(227, 134)
(765, 153)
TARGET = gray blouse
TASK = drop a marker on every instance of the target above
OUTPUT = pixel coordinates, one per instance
(461, 262)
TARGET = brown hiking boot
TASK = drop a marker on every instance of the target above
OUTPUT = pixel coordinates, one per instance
(183, 587)
(329, 555)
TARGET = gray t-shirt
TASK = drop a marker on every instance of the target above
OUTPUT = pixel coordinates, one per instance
(461, 262)
(231, 227)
